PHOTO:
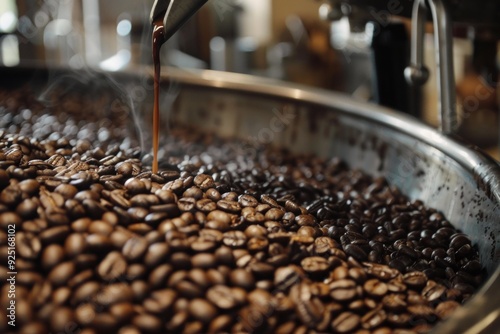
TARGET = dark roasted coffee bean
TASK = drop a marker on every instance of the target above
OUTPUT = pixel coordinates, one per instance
(204, 181)
(356, 252)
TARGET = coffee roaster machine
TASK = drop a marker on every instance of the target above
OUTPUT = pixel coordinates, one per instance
(425, 163)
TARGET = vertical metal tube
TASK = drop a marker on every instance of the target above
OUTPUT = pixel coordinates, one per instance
(417, 74)
(443, 42)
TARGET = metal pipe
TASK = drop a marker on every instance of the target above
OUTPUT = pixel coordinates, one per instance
(417, 74)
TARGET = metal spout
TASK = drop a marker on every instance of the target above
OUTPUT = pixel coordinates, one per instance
(174, 13)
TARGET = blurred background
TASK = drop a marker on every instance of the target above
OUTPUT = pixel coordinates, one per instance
(327, 44)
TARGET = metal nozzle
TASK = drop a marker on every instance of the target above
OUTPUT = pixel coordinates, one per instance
(174, 13)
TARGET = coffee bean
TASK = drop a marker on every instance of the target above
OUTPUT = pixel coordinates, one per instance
(373, 319)
(343, 290)
(147, 323)
(60, 318)
(204, 181)
(234, 239)
(202, 310)
(225, 297)
(375, 288)
(285, 277)
(346, 322)
(446, 308)
(242, 278)
(112, 266)
(61, 273)
(356, 252)
(52, 255)
(228, 206)
(135, 248)
(315, 265)
(29, 247)
(415, 280)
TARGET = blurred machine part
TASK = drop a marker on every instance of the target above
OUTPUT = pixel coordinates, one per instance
(474, 56)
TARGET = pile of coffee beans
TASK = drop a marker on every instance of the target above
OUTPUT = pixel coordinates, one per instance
(215, 242)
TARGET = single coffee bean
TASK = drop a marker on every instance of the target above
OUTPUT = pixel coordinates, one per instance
(346, 322)
(202, 310)
(52, 255)
(415, 280)
(375, 288)
(285, 277)
(29, 247)
(234, 239)
(343, 290)
(228, 206)
(315, 265)
(112, 266)
(147, 323)
(135, 248)
(242, 278)
(61, 273)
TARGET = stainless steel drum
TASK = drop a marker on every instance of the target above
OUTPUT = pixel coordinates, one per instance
(458, 180)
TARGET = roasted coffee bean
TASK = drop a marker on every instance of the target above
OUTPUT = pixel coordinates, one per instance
(285, 277)
(225, 297)
(112, 266)
(356, 252)
(52, 255)
(343, 290)
(135, 248)
(234, 239)
(228, 206)
(204, 181)
(315, 265)
(375, 288)
(346, 322)
(29, 247)
(415, 280)
(61, 273)
(202, 310)
(147, 323)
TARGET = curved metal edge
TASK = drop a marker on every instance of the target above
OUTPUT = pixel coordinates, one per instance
(483, 167)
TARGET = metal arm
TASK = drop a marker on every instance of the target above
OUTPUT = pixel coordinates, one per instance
(174, 13)
(417, 74)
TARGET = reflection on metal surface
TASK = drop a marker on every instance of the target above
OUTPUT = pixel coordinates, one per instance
(484, 323)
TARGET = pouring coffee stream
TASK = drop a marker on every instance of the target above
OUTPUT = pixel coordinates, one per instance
(167, 16)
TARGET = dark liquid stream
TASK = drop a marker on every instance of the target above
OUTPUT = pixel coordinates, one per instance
(158, 40)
